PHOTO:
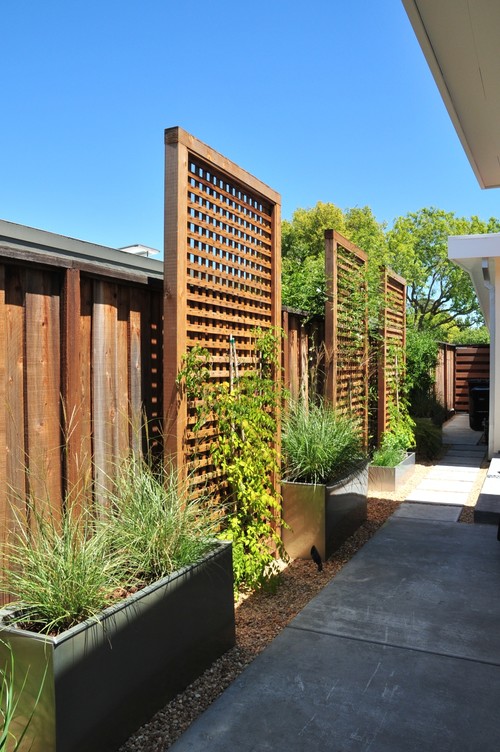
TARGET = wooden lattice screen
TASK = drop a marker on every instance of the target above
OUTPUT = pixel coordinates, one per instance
(346, 327)
(222, 274)
(392, 344)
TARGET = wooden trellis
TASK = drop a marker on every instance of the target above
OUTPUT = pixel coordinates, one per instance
(222, 275)
(346, 327)
(392, 344)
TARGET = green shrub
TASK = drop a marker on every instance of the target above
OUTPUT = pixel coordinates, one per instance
(243, 414)
(421, 360)
(427, 405)
(428, 438)
(318, 444)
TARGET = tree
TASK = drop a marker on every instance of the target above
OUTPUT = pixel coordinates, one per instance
(439, 293)
(304, 236)
(476, 336)
(303, 250)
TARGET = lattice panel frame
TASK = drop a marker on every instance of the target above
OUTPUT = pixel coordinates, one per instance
(346, 327)
(222, 276)
(392, 350)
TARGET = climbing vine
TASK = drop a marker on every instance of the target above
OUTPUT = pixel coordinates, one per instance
(244, 413)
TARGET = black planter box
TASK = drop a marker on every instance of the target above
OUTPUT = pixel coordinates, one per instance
(107, 676)
(323, 516)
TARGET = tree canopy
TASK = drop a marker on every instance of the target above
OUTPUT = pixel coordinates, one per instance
(440, 295)
(303, 249)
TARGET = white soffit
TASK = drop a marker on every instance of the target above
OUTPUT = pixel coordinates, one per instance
(461, 42)
(476, 254)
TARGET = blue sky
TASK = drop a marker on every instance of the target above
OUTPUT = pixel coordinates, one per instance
(323, 101)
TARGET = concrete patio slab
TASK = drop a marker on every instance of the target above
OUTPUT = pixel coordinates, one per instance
(418, 584)
(445, 484)
(438, 497)
(460, 461)
(457, 431)
(457, 473)
(415, 511)
(331, 694)
(467, 449)
(399, 653)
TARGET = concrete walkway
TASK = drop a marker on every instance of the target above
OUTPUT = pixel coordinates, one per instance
(399, 653)
(452, 479)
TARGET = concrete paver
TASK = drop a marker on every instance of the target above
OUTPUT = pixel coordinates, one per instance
(443, 484)
(414, 510)
(438, 497)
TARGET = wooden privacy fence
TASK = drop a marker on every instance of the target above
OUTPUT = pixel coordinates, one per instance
(80, 345)
(222, 276)
(457, 364)
(444, 387)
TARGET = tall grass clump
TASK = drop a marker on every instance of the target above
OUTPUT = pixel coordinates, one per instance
(59, 570)
(151, 522)
(64, 569)
(319, 444)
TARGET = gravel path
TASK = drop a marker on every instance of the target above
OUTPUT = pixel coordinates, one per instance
(261, 616)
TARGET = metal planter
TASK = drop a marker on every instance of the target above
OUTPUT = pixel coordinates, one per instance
(107, 676)
(389, 478)
(323, 515)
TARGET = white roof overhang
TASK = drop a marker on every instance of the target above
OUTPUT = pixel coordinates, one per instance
(460, 40)
(477, 254)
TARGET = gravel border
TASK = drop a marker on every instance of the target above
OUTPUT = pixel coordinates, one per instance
(261, 616)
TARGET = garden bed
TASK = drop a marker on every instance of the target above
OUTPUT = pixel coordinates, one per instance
(390, 478)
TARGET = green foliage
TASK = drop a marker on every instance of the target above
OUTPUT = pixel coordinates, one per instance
(401, 425)
(428, 439)
(421, 360)
(151, 524)
(304, 236)
(439, 292)
(244, 450)
(318, 444)
(426, 405)
(304, 285)
(63, 571)
(303, 250)
(388, 456)
(474, 336)
(59, 571)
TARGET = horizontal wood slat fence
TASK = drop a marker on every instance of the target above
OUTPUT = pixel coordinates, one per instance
(457, 364)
